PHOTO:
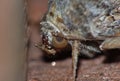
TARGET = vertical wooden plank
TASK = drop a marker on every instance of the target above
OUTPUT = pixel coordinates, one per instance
(12, 44)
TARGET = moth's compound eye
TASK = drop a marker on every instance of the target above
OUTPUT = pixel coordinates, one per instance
(59, 42)
(51, 14)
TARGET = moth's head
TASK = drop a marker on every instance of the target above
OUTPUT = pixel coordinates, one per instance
(51, 23)
(51, 43)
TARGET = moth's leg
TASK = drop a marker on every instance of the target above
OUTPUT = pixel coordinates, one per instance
(111, 43)
(42, 47)
(75, 53)
(68, 36)
(73, 36)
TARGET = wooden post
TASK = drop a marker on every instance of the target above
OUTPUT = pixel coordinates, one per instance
(12, 44)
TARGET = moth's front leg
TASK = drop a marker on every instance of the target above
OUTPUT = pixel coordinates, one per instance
(42, 47)
(75, 53)
(68, 36)
(111, 43)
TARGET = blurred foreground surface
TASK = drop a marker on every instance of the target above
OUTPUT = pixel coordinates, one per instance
(103, 68)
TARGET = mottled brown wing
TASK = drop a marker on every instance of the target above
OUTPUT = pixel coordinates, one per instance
(111, 43)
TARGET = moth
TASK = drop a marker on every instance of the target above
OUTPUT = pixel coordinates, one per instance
(89, 26)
